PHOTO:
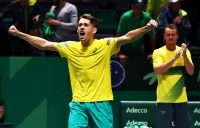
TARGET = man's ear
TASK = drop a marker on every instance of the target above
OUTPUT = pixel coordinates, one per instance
(94, 30)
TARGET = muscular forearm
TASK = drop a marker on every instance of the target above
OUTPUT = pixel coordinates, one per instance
(133, 35)
(137, 33)
(188, 66)
(33, 40)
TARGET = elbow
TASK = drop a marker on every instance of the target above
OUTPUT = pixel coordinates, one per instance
(43, 46)
(158, 71)
(128, 39)
(191, 72)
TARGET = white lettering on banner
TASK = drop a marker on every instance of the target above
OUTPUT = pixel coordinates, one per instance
(133, 122)
(136, 110)
(197, 110)
(197, 123)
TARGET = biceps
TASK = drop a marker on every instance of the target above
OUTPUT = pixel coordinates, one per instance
(49, 46)
(122, 40)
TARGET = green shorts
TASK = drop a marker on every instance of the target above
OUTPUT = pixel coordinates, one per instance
(90, 115)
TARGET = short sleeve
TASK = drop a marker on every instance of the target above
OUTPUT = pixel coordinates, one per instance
(157, 59)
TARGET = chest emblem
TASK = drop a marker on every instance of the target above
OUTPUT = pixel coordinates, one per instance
(95, 50)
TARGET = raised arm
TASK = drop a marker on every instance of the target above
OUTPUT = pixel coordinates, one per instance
(33, 40)
(137, 33)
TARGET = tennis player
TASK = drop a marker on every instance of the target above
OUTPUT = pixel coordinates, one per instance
(89, 69)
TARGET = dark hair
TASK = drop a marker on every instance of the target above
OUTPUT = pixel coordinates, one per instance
(170, 26)
(137, 2)
(91, 18)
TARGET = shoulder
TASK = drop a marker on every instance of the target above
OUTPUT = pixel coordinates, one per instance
(127, 13)
(146, 15)
(107, 40)
(71, 43)
(66, 44)
(70, 5)
(159, 50)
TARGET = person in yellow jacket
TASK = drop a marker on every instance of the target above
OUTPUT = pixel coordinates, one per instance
(154, 7)
(32, 2)
(25, 14)
(29, 4)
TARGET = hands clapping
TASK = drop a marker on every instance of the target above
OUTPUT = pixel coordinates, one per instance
(182, 51)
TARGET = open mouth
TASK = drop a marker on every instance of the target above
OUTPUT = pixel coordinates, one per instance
(82, 34)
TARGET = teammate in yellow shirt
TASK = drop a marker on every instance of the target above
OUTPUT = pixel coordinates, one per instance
(89, 69)
(170, 62)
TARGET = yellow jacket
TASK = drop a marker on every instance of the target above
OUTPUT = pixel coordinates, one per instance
(31, 2)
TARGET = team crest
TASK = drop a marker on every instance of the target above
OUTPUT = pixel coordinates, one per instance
(95, 50)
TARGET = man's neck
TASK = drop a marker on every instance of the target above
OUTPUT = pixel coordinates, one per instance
(171, 47)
